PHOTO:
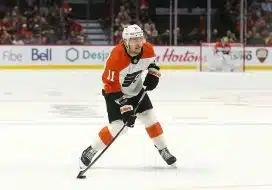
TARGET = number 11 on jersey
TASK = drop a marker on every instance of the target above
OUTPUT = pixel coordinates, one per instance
(111, 75)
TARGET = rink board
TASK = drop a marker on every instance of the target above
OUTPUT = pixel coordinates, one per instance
(94, 67)
(94, 57)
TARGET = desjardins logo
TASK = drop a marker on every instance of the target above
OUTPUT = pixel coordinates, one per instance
(72, 54)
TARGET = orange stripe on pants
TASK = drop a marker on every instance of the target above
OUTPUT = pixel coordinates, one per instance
(154, 130)
(105, 135)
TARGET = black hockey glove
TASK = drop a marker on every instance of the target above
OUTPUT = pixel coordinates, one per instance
(128, 115)
(152, 77)
(127, 112)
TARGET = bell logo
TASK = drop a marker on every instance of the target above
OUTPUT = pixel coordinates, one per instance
(262, 54)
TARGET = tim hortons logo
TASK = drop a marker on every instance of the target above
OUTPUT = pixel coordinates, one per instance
(262, 54)
(171, 55)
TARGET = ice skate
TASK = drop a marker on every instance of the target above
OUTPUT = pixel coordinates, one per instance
(168, 157)
(86, 157)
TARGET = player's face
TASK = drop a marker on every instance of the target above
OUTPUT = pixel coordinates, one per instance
(135, 45)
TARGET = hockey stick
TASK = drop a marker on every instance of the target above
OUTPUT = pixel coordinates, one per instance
(82, 172)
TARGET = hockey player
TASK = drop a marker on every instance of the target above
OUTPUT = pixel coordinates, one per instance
(122, 90)
(222, 51)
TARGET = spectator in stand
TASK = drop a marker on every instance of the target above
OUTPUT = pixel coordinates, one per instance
(269, 23)
(193, 36)
(144, 17)
(231, 36)
(118, 35)
(259, 23)
(268, 40)
(154, 34)
(215, 37)
(66, 8)
(249, 35)
(31, 3)
(179, 35)
(165, 37)
(75, 27)
(150, 31)
(5, 37)
(144, 4)
(267, 6)
(17, 40)
(256, 39)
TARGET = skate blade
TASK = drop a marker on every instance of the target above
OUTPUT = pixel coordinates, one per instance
(81, 165)
(174, 166)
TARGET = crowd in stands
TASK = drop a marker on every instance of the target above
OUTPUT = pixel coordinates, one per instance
(258, 32)
(50, 24)
(259, 22)
(124, 18)
(53, 24)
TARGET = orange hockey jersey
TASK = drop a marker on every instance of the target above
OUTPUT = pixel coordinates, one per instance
(123, 73)
(219, 47)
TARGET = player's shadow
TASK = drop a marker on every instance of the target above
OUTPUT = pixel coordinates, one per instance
(178, 169)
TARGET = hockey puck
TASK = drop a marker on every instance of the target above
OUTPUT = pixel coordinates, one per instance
(81, 177)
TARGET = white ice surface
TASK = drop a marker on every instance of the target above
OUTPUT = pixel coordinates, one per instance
(218, 125)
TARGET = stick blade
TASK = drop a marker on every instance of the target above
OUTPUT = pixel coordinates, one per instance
(80, 175)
